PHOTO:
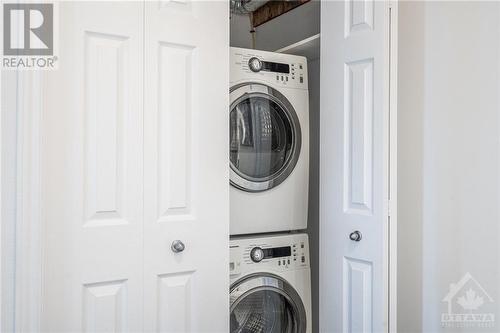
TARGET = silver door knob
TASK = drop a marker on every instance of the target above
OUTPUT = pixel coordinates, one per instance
(355, 236)
(177, 246)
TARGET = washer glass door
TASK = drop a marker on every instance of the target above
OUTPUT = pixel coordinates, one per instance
(266, 304)
(264, 137)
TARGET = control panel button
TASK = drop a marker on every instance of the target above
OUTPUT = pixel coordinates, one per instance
(256, 254)
(255, 64)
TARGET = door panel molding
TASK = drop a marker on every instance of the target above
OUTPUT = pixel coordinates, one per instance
(359, 16)
(358, 129)
(357, 295)
(175, 79)
(106, 121)
(105, 298)
(174, 301)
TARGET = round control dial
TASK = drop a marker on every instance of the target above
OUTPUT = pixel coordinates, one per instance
(257, 254)
(255, 64)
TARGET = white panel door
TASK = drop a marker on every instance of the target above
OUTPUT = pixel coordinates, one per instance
(92, 172)
(186, 170)
(134, 156)
(354, 166)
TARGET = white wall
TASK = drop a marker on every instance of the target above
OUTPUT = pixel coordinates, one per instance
(448, 157)
(410, 164)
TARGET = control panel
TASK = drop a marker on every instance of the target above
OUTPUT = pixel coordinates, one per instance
(276, 253)
(280, 69)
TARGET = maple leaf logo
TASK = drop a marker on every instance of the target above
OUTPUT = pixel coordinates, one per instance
(470, 301)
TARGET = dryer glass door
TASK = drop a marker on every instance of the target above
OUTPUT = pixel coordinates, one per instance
(264, 138)
(266, 304)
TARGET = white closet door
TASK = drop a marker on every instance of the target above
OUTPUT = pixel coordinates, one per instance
(354, 166)
(92, 176)
(186, 166)
(135, 156)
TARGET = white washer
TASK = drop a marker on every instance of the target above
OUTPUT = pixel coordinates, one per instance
(269, 142)
(270, 284)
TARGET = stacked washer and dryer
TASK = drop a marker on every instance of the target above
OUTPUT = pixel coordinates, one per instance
(269, 171)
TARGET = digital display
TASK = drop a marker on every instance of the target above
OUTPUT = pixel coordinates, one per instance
(277, 252)
(275, 67)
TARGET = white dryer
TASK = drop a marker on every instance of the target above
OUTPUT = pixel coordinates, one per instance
(270, 284)
(269, 142)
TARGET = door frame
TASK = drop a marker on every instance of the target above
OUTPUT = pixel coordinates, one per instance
(392, 223)
(26, 303)
(27, 253)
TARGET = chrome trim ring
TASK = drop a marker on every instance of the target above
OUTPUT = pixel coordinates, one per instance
(250, 184)
(267, 281)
